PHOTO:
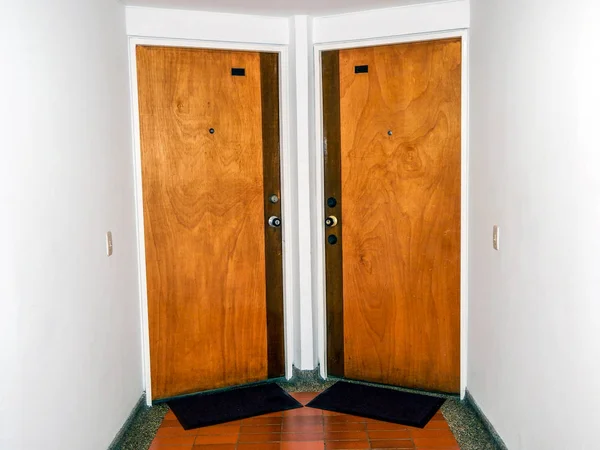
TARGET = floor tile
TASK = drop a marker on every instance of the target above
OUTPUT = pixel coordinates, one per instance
(319, 445)
(170, 447)
(218, 429)
(302, 428)
(260, 446)
(174, 431)
(346, 445)
(385, 426)
(346, 436)
(347, 426)
(440, 448)
(216, 439)
(170, 415)
(437, 425)
(392, 444)
(256, 438)
(167, 423)
(304, 397)
(391, 434)
(303, 412)
(262, 420)
(343, 418)
(260, 429)
(302, 420)
(435, 442)
(174, 440)
(303, 436)
(431, 433)
(214, 447)
(273, 414)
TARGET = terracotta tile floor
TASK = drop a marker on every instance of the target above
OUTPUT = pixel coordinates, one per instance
(304, 429)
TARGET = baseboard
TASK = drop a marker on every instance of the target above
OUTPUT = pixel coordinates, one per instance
(117, 443)
(484, 420)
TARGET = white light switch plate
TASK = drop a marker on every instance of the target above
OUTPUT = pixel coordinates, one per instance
(496, 238)
(109, 243)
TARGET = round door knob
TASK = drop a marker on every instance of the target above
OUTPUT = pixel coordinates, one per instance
(331, 221)
(274, 222)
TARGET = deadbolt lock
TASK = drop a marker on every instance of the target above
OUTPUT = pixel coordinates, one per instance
(331, 221)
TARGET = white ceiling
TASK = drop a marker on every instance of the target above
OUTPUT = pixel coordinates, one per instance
(277, 7)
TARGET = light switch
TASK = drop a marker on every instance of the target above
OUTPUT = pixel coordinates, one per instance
(496, 237)
(109, 243)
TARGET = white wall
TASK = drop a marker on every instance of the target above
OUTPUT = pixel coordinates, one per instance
(69, 325)
(534, 335)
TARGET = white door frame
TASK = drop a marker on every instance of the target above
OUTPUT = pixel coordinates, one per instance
(289, 212)
(319, 251)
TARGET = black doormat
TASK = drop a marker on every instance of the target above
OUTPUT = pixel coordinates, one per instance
(212, 408)
(378, 403)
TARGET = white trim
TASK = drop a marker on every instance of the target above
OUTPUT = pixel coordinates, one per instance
(392, 22)
(464, 208)
(288, 211)
(205, 26)
(319, 250)
(302, 31)
(141, 248)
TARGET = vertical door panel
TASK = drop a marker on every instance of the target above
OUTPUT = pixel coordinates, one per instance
(333, 207)
(400, 179)
(204, 217)
(269, 74)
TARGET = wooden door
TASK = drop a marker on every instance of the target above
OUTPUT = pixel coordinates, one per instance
(209, 125)
(392, 122)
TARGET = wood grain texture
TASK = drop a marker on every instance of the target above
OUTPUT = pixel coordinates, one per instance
(269, 76)
(333, 188)
(203, 218)
(401, 208)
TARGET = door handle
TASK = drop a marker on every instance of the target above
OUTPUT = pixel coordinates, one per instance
(274, 222)
(331, 221)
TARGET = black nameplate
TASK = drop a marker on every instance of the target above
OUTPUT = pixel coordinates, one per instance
(361, 69)
(238, 72)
